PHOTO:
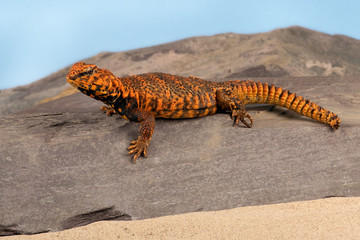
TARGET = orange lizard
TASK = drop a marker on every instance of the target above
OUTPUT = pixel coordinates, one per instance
(142, 98)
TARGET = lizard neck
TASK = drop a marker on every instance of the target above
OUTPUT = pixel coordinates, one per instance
(122, 95)
(115, 90)
(119, 88)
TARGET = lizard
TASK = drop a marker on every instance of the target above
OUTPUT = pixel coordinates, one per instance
(144, 97)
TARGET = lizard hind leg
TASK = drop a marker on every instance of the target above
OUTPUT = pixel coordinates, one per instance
(229, 101)
(239, 114)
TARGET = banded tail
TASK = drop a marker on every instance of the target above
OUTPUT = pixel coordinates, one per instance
(258, 92)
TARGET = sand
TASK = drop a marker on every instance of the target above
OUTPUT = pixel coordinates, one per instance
(331, 218)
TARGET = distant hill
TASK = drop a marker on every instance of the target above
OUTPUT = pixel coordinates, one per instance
(293, 51)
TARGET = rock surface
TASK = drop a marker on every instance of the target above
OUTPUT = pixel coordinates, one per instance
(65, 164)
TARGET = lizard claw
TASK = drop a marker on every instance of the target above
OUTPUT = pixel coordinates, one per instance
(137, 147)
(239, 115)
(109, 111)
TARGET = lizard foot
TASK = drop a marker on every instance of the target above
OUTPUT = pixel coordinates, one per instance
(137, 147)
(109, 111)
(240, 114)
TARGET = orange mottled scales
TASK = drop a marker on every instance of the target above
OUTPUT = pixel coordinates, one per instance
(170, 96)
(142, 98)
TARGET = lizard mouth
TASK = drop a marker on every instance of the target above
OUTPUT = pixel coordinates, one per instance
(72, 83)
(70, 77)
(75, 84)
(71, 80)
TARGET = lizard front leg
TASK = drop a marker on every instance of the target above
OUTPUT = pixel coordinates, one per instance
(147, 121)
(226, 100)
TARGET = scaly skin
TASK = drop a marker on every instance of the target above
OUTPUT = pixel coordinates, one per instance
(142, 98)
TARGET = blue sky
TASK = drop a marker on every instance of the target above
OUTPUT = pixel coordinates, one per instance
(40, 37)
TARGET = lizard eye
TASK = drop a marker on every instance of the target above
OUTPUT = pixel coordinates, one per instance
(87, 72)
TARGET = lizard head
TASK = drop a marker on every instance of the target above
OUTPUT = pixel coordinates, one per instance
(91, 80)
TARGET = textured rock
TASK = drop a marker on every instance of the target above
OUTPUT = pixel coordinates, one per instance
(64, 163)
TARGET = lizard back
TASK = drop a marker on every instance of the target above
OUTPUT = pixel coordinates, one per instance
(171, 96)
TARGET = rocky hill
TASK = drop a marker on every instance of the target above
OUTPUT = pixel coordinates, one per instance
(293, 51)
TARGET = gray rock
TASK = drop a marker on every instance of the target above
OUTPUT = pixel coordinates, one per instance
(65, 164)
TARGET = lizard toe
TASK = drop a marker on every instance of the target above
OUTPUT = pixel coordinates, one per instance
(240, 115)
(109, 111)
(138, 147)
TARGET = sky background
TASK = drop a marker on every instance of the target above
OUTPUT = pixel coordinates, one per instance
(38, 38)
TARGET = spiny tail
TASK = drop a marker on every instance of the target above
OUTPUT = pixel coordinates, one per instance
(257, 92)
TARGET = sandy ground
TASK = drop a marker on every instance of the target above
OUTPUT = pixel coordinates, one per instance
(332, 218)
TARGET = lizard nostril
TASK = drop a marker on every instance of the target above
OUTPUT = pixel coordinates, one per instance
(70, 77)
